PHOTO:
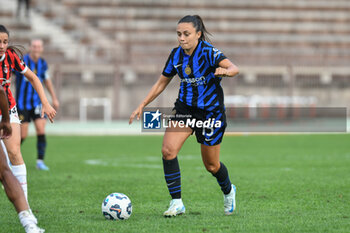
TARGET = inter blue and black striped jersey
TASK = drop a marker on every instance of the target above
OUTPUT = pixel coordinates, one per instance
(199, 87)
(26, 96)
(8, 62)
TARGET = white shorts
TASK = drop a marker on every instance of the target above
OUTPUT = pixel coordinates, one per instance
(13, 116)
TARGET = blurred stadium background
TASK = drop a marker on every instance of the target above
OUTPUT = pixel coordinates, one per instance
(105, 55)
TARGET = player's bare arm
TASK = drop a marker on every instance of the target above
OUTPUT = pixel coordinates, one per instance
(47, 108)
(226, 69)
(49, 86)
(157, 88)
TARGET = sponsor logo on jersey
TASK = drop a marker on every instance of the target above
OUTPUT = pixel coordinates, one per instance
(194, 81)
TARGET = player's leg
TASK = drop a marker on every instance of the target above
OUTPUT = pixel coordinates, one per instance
(40, 124)
(210, 139)
(27, 2)
(16, 195)
(211, 160)
(18, 12)
(13, 146)
(24, 116)
(173, 140)
(24, 130)
(12, 188)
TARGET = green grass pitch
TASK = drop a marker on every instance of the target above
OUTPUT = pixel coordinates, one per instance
(285, 183)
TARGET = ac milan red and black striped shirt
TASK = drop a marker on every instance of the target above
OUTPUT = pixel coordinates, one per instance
(8, 62)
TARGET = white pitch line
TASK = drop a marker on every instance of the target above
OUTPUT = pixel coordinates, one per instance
(99, 162)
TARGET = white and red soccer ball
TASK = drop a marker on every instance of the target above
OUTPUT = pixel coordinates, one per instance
(116, 206)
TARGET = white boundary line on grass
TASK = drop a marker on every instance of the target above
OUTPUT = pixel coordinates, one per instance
(131, 164)
(100, 162)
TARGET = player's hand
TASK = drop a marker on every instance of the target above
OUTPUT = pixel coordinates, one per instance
(220, 72)
(136, 113)
(49, 111)
(5, 130)
(55, 104)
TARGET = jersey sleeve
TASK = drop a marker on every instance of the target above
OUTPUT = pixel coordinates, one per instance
(17, 63)
(216, 56)
(169, 69)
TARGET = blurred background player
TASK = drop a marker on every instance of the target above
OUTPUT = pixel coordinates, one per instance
(9, 60)
(200, 67)
(12, 188)
(20, 3)
(28, 101)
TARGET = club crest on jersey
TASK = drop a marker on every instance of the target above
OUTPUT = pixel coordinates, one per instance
(6, 69)
(188, 70)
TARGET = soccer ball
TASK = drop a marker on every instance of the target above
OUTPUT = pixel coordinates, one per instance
(116, 206)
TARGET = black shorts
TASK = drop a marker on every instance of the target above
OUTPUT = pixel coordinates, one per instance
(31, 114)
(209, 126)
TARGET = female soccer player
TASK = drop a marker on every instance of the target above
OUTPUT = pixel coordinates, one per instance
(200, 67)
(12, 188)
(28, 102)
(9, 60)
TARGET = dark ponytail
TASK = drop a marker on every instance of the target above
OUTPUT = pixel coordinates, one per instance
(4, 30)
(198, 24)
(19, 49)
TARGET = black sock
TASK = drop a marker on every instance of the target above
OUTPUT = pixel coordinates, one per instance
(22, 140)
(223, 179)
(172, 177)
(41, 146)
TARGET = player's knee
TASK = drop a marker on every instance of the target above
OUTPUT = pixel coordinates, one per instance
(212, 168)
(168, 153)
(13, 152)
(14, 155)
